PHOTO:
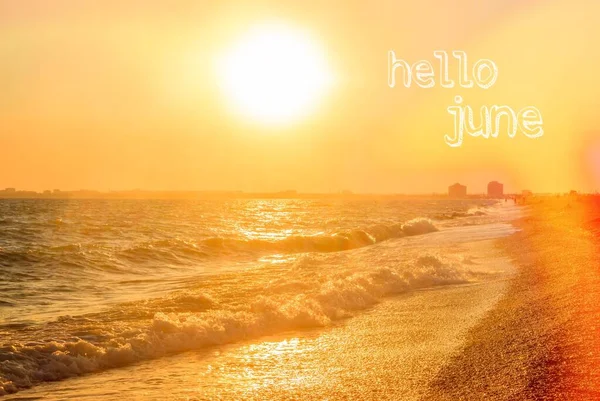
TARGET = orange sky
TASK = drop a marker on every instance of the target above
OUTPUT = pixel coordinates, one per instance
(113, 96)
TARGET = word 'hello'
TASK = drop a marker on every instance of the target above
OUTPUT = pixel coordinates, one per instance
(484, 74)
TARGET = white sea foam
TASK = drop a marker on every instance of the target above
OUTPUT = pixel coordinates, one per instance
(287, 303)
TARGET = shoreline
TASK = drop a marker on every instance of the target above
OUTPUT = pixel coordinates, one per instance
(542, 340)
(389, 351)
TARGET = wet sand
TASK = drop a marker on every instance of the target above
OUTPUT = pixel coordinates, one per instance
(542, 340)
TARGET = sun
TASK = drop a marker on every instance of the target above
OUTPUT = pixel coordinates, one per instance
(274, 74)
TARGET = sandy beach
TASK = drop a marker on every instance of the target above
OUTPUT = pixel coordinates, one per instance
(542, 339)
(299, 200)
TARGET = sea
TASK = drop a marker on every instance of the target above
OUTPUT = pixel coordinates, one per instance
(201, 299)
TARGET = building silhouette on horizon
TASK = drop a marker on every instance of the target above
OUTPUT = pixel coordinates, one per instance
(457, 191)
(495, 189)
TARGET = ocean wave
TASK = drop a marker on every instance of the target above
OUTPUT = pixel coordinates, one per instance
(11, 258)
(168, 250)
(176, 251)
(475, 211)
(193, 321)
(340, 241)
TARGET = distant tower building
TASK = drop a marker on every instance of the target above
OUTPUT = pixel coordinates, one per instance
(495, 190)
(457, 191)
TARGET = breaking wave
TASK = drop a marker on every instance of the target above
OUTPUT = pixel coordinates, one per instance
(174, 250)
(327, 243)
(475, 211)
(193, 320)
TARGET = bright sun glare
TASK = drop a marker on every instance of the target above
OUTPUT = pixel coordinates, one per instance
(274, 74)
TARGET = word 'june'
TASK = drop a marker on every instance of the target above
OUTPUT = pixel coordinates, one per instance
(483, 74)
